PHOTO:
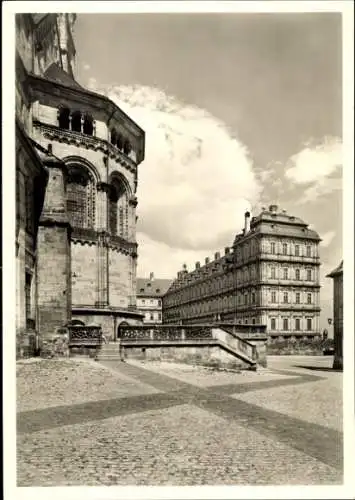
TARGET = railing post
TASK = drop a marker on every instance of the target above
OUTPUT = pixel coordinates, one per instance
(183, 334)
(151, 334)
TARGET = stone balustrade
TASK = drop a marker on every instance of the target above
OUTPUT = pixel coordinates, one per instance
(85, 335)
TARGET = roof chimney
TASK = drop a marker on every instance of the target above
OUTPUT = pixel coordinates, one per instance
(207, 260)
(226, 251)
(197, 265)
(273, 209)
(246, 222)
(151, 276)
(217, 256)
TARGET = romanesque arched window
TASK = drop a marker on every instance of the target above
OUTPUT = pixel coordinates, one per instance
(127, 147)
(76, 121)
(113, 136)
(120, 141)
(88, 125)
(64, 118)
(113, 198)
(80, 197)
(118, 212)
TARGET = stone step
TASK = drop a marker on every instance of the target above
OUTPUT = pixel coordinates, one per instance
(106, 357)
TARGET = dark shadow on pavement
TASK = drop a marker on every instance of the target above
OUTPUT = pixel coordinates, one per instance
(318, 368)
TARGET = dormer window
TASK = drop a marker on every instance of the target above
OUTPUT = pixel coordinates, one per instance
(141, 290)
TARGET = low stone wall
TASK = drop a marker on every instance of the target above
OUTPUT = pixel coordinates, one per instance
(206, 355)
(298, 347)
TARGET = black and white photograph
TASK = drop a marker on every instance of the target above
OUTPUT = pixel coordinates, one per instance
(178, 212)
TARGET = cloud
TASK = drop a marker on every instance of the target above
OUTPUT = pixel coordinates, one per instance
(321, 188)
(170, 259)
(315, 162)
(92, 84)
(196, 181)
(327, 238)
(86, 66)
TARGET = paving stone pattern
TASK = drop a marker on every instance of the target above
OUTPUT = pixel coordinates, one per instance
(182, 434)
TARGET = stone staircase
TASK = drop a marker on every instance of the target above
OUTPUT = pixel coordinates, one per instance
(110, 351)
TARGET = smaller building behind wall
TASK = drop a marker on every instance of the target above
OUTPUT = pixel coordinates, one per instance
(149, 298)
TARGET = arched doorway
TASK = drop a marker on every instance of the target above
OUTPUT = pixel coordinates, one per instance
(123, 323)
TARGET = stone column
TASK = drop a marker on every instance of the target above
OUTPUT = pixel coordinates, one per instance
(132, 205)
(102, 206)
(102, 244)
(53, 255)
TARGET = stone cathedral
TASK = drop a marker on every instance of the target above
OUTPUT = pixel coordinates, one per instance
(77, 157)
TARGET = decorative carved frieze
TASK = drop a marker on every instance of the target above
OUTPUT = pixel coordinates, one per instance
(81, 140)
(87, 236)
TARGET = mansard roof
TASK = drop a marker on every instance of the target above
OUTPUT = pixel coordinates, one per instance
(152, 288)
(56, 74)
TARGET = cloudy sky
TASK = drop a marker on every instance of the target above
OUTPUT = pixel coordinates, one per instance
(240, 111)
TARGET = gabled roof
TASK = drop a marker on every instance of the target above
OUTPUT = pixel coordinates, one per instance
(337, 271)
(152, 288)
(56, 74)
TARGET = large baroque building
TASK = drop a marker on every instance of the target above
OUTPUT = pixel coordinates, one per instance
(150, 292)
(269, 276)
(77, 157)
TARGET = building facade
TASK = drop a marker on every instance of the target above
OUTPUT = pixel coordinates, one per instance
(77, 157)
(150, 292)
(270, 276)
(337, 276)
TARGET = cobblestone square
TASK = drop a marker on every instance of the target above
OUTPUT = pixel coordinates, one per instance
(169, 424)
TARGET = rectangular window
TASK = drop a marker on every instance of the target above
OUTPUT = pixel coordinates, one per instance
(253, 321)
(159, 302)
(273, 297)
(285, 297)
(285, 271)
(273, 273)
(297, 324)
(285, 324)
(253, 298)
(309, 324)
(309, 298)
(298, 297)
(309, 275)
(273, 323)
(159, 316)
(308, 251)
(273, 248)
(298, 274)
(297, 250)
(246, 299)
(284, 249)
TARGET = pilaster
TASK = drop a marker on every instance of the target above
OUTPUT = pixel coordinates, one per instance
(53, 255)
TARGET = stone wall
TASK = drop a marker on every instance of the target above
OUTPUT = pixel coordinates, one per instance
(206, 355)
(299, 347)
